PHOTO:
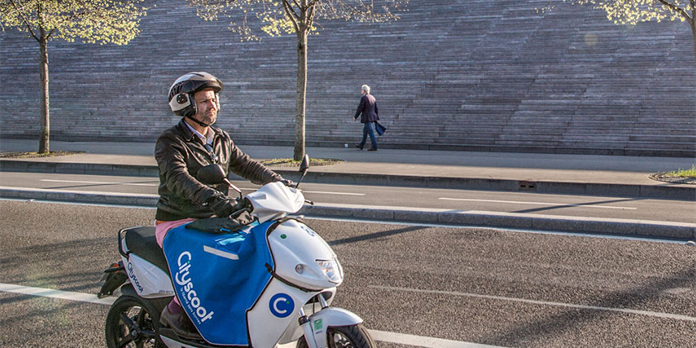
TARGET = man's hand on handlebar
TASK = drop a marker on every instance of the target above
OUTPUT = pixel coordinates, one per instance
(225, 207)
(242, 203)
(289, 183)
(222, 206)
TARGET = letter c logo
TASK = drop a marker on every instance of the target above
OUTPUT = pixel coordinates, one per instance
(281, 305)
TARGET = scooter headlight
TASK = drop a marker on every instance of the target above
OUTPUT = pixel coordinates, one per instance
(332, 270)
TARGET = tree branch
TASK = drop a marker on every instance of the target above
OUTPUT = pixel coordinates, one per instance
(291, 13)
(31, 31)
(310, 16)
(677, 9)
(77, 13)
(290, 10)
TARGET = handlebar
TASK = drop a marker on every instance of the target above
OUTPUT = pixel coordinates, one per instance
(245, 205)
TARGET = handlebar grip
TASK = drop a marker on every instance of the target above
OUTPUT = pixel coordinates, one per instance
(243, 205)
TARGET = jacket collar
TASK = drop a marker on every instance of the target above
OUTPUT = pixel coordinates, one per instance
(189, 135)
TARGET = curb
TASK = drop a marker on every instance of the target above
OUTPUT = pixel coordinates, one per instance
(78, 168)
(79, 196)
(545, 187)
(584, 225)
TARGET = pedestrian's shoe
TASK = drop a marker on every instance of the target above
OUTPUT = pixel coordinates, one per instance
(372, 149)
(358, 147)
(180, 323)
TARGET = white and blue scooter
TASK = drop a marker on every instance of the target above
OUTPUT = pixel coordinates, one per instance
(285, 302)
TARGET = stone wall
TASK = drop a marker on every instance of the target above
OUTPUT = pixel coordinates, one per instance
(449, 75)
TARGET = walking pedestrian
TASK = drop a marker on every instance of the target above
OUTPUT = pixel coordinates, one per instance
(368, 112)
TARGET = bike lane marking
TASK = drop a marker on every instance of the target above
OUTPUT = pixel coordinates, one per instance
(155, 185)
(646, 238)
(421, 341)
(543, 303)
(98, 182)
(384, 336)
(52, 293)
(576, 205)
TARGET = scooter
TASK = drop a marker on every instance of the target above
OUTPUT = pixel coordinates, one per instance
(292, 308)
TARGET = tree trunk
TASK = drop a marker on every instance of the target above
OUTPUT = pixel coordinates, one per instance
(301, 96)
(693, 31)
(43, 66)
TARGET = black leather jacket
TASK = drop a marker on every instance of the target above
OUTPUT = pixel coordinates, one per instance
(180, 154)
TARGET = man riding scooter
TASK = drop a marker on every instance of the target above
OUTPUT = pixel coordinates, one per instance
(181, 151)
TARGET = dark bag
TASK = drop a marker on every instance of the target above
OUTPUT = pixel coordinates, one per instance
(380, 128)
(222, 225)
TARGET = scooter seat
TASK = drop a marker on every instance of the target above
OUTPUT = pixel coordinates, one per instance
(142, 242)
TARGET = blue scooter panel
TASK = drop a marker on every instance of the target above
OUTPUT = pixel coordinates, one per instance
(219, 277)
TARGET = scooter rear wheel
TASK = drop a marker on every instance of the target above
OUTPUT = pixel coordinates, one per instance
(132, 322)
(352, 336)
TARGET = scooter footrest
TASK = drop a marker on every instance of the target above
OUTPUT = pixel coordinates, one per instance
(170, 334)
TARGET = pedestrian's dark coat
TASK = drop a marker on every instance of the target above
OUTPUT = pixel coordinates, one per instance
(368, 109)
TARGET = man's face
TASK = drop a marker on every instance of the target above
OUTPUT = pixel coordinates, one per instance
(207, 106)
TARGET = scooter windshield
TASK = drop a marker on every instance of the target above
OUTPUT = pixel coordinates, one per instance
(275, 198)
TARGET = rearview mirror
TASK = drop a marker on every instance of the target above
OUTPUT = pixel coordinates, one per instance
(211, 174)
(304, 166)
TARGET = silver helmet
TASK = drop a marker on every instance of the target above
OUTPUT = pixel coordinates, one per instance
(181, 92)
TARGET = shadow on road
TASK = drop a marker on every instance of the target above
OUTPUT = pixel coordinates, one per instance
(375, 235)
(543, 330)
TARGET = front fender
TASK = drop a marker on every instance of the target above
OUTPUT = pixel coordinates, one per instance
(329, 317)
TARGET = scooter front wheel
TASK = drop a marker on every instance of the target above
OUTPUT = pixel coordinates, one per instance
(132, 322)
(352, 336)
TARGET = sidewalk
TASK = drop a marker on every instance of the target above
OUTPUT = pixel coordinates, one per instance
(619, 176)
(543, 173)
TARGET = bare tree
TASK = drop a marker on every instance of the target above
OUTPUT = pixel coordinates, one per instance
(93, 21)
(299, 17)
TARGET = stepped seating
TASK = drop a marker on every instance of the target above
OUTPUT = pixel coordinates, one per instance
(450, 74)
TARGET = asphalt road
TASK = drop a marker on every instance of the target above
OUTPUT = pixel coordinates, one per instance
(494, 201)
(415, 283)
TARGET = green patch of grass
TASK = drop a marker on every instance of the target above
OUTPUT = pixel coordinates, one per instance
(683, 173)
(289, 162)
(36, 154)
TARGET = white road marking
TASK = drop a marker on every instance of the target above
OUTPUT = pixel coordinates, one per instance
(544, 303)
(423, 224)
(100, 193)
(97, 182)
(315, 192)
(384, 336)
(155, 185)
(588, 205)
(59, 294)
(421, 341)
(506, 229)
(335, 193)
